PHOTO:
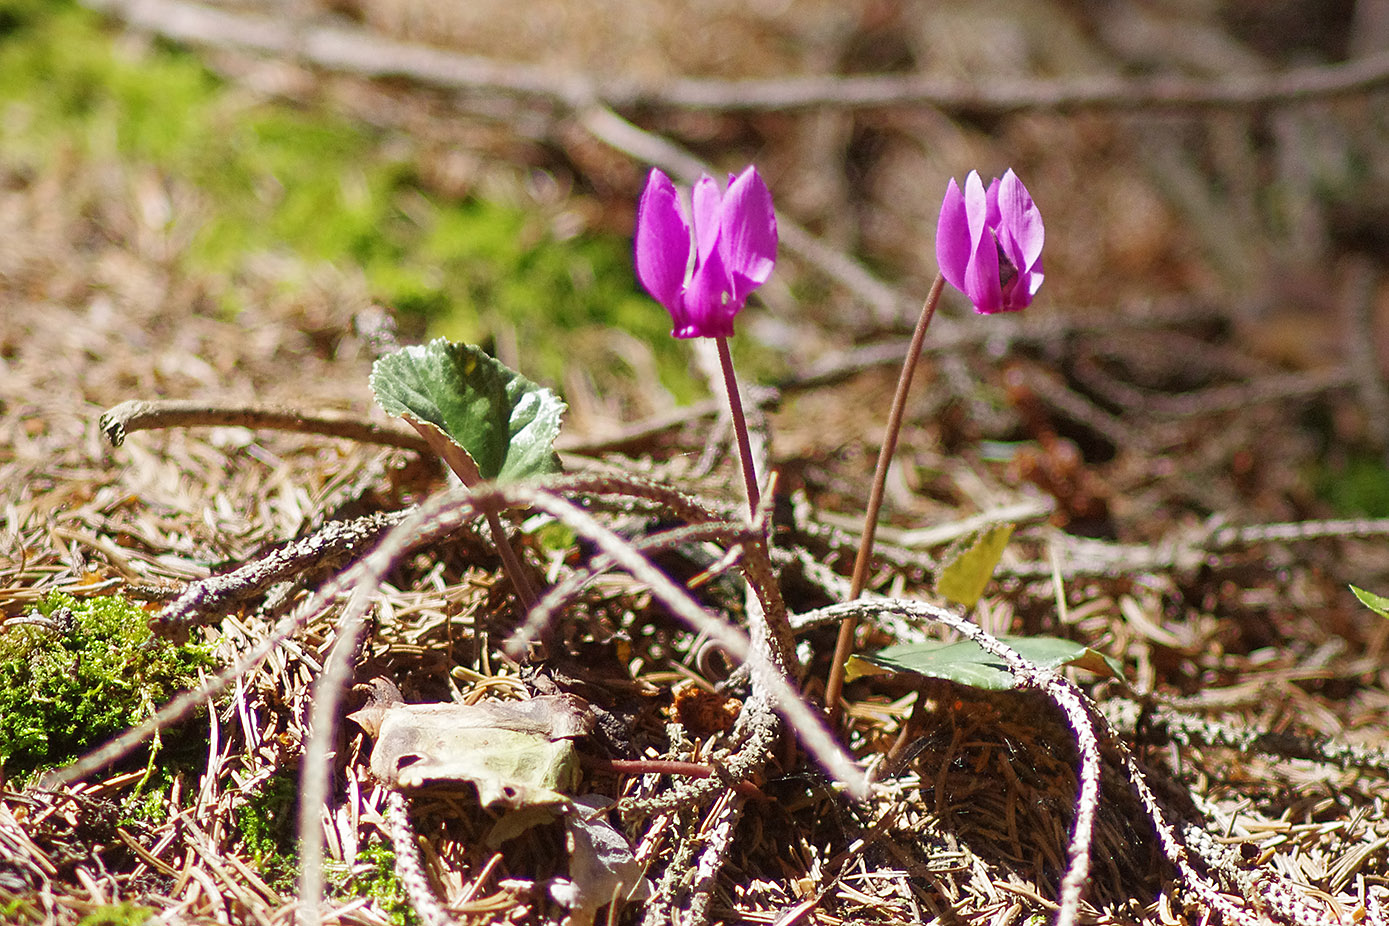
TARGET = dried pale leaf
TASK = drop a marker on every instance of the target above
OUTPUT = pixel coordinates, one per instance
(602, 864)
(516, 753)
(962, 579)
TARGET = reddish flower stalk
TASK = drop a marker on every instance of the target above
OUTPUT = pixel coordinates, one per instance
(989, 247)
(843, 647)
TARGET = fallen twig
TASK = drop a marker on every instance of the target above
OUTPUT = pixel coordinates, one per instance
(717, 833)
(324, 551)
(1162, 725)
(369, 54)
(409, 865)
(141, 415)
(1070, 699)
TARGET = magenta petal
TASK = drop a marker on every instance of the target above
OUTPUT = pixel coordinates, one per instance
(981, 276)
(991, 198)
(952, 237)
(981, 279)
(708, 207)
(976, 210)
(1026, 286)
(749, 238)
(734, 243)
(662, 242)
(1020, 222)
(989, 243)
(709, 305)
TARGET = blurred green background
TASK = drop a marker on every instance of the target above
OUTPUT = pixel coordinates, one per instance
(300, 183)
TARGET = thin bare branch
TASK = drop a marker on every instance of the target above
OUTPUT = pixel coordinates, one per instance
(208, 600)
(425, 525)
(315, 775)
(1002, 96)
(811, 730)
(359, 51)
(139, 415)
(718, 841)
(1085, 556)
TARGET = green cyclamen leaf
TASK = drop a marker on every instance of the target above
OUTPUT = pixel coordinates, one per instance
(1376, 603)
(963, 578)
(505, 422)
(966, 662)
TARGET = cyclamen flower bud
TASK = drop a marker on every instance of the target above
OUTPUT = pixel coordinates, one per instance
(735, 241)
(989, 243)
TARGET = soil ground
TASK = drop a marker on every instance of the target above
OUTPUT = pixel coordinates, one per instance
(1189, 425)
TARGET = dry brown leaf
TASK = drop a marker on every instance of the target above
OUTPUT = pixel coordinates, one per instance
(516, 753)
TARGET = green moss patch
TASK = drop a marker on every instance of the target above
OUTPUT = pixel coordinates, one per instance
(123, 914)
(83, 671)
(374, 876)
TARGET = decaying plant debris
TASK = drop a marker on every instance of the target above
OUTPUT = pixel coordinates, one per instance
(1163, 521)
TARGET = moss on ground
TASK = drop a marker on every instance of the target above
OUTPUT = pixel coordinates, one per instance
(268, 827)
(84, 671)
(122, 914)
(374, 876)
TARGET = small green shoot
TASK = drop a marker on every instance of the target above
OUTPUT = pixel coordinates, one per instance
(1376, 603)
(963, 578)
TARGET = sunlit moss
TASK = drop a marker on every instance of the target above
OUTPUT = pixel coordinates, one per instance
(83, 671)
(121, 914)
(268, 828)
(374, 876)
(266, 823)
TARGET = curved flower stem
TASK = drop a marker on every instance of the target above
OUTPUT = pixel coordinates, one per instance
(834, 685)
(740, 425)
(463, 466)
(511, 563)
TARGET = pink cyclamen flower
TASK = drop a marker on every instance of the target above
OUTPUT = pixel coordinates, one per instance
(989, 243)
(735, 240)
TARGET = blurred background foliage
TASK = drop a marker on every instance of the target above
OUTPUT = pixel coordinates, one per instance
(269, 189)
(276, 180)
